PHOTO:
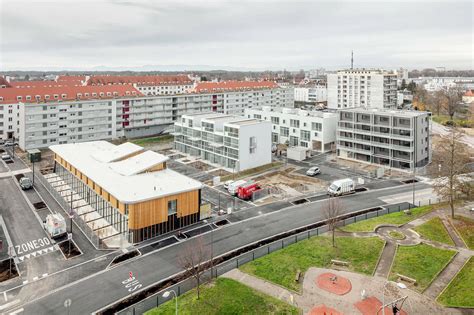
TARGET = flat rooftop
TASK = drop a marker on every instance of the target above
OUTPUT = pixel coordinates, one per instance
(406, 113)
(243, 122)
(125, 179)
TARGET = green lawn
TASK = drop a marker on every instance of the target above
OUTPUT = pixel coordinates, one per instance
(152, 140)
(225, 296)
(443, 119)
(460, 292)
(396, 218)
(434, 230)
(280, 267)
(421, 262)
(465, 227)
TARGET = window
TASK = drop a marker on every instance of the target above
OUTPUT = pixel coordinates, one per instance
(276, 120)
(316, 126)
(284, 131)
(305, 135)
(172, 207)
(294, 123)
(253, 145)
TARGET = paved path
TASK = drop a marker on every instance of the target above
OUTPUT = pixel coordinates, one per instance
(452, 233)
(261, 285)
(446, 275)
(386, 259)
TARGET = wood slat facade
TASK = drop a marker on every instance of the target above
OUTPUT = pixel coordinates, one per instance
(149, 218)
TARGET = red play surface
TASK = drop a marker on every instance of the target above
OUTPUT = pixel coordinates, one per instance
(371, 305)
(323, 310)
(340, 286)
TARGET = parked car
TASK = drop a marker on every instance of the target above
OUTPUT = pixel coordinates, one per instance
(227, 184)
(341, 187)
(313, 171)
(26, 183)
(5, 157)
(9, 143)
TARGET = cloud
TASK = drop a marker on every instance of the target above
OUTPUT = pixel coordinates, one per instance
(257, 34)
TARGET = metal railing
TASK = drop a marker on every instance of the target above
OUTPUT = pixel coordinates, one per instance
(66, 206)
(238, 260)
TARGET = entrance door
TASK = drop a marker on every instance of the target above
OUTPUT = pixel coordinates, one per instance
(10, 135)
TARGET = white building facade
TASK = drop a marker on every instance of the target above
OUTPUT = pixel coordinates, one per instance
(313, 94)
(233, 142)
(362, 88)
(393, 139)
(315, 130)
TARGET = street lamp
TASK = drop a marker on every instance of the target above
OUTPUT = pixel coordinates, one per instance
(167, 294)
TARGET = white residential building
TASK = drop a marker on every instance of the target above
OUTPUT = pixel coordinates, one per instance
(35, 114)
(362, 88)
(231, 141)
(312, 94)
(394, 139)
(315, 130)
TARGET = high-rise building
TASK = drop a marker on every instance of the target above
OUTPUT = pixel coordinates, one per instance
(362, 88)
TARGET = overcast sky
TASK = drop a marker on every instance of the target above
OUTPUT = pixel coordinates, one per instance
(291, 34)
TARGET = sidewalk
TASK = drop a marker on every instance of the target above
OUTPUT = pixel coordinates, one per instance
(386, 259)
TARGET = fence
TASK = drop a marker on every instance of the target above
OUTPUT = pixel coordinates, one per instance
(66, 206)
(184, 286)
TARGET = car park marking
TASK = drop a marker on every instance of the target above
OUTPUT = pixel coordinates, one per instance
(37, 253)
(131, 284)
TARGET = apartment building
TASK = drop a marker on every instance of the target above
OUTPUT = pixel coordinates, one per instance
(147, 84)
(123, 191)
(231, 141)
(390, 138)
(315, 130)
(238, 95)
(317, 93)
(362, 88)
(38, 115)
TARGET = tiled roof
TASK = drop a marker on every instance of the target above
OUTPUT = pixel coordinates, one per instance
(469, 93)
(32, 84)
(65, 93)
(71, 79)
(139, 80)
(233, 86)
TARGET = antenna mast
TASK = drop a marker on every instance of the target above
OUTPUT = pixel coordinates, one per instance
(352, 60)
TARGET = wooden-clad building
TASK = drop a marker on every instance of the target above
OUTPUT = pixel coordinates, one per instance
(132, 189)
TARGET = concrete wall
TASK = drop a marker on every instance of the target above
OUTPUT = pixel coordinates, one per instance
(263, 153)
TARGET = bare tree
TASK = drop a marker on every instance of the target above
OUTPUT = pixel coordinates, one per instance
(453, 103)
(332, 209)
(438, 102)
(194, 260)
(452, 159)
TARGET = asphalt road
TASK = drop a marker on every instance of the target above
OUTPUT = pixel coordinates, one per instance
(103, 288)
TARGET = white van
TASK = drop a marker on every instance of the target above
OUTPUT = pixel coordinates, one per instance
(341, 187)
(234, 187)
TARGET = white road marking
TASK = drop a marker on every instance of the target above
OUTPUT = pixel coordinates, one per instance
(35, 278)
(25, 282)
(17, 311)
(44, 275)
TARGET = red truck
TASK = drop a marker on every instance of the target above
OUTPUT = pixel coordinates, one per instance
(246, 191)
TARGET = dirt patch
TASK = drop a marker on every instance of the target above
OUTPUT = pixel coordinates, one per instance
(5, 273)
(124, 257)
(201, 166)
(219, 172)
(287, 183)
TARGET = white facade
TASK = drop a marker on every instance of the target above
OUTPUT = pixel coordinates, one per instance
(362, 88)
(233, 142)
(316, 93)
(9, 121)
(235, 103)
(314, 130)
(393, 139)
(164, 89)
